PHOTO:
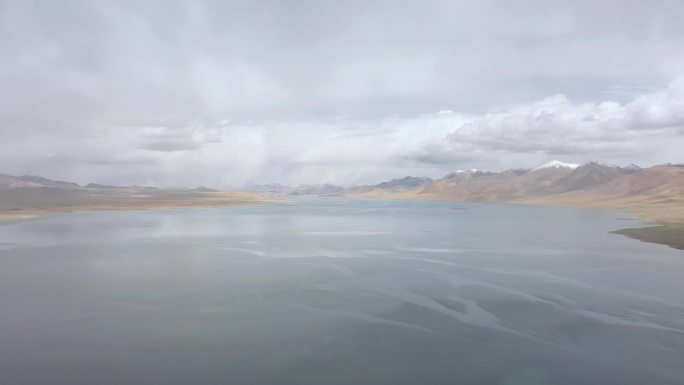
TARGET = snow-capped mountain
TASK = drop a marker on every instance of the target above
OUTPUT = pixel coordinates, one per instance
(557, 164)
(555, 177)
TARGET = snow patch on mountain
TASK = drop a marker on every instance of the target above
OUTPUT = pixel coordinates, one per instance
(557, 164)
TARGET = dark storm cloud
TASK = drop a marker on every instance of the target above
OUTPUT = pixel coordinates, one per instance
(332, 91)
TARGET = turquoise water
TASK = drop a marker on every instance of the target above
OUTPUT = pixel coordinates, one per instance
(335, 291)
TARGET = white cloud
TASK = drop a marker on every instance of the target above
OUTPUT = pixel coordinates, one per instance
(192, 93)
(647, 130)
(558, 126)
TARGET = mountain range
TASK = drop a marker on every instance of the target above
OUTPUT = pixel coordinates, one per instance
(654, 193)
(28, 196)
(550, 179)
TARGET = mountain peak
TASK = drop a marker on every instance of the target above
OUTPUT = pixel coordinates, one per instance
(471, 171)
(598, 164)
(404, 183)
(632, 167)
(557, 164)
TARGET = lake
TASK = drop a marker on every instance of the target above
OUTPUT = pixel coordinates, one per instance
(337, 291)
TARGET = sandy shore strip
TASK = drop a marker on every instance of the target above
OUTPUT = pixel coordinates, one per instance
(29, 203)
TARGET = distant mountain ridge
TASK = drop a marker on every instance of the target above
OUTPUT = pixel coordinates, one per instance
(551, 179)
(557, 164)
(9, 181)
(33, 182)
(654, 194)
(405, 182)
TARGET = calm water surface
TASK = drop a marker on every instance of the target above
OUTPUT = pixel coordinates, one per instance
(335, 291)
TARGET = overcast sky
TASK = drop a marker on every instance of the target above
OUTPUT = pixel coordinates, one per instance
(231, 92)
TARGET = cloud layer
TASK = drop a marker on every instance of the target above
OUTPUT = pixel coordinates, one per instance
(217, 93)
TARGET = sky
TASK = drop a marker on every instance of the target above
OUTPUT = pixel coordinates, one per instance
(225, 93)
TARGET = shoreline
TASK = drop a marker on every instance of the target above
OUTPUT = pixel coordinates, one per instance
(671, 234)
(665, 221)
(26, 208)
(16, 217)
(30, 214)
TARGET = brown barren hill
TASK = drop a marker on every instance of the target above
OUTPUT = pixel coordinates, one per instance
(654, 194)
(504, 186)
(39, 196)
